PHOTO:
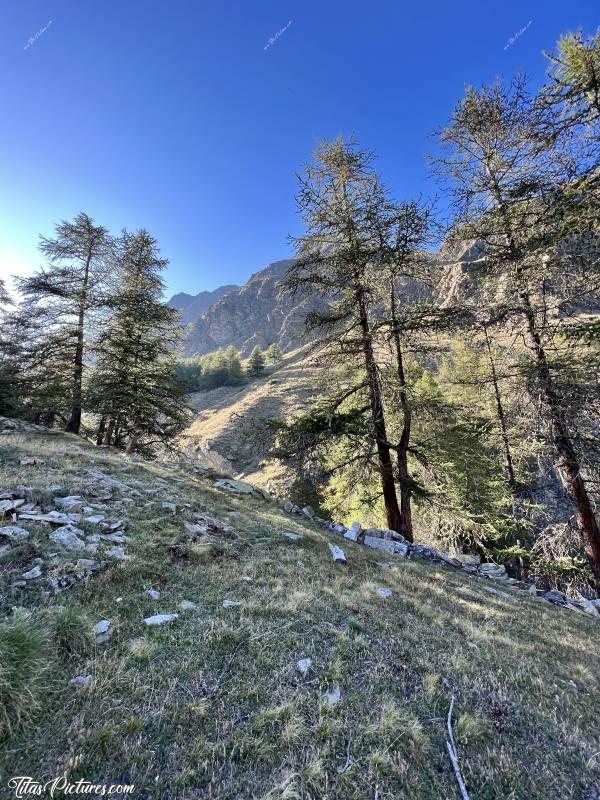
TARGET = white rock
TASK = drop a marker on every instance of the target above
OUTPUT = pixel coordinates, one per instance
(30, 461)
(333, 697)
(246, 578)
(384, 592)
(160, 619)
(153, 594)
(94, 519)
(231, 603)
(239, 487)
(384, 545)
(82, 681)
(10, 505)
(292, 536)
(187, 605)
(34, 573)
(15, 533)
(304, 665)
(170, 507)
(72, 503)
(68, 537)
(592, 607)
(353, 532)
(118, 553)
(337, 554)
(54, 517)
(102, 630)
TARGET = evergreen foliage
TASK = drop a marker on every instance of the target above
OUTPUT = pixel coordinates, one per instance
(256, 363)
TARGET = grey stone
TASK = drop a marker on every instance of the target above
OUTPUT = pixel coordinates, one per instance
(54, 517)
(87, 564)
(82, 681)
(337, 554)
(170, 507)
(102, 631)
(10, 505)
(288, 506)
(118, 553)
(68, 537)
(231, 603)
(72, 503)
(380, 544)
(115, 538)
(304, 666)
(160, 619)
(308, 512)
(31, 461)
(384, 592)
(238, 487)
(15, 533)
(291, 536)
(555, 597)
(34, 573)
(187, 605)
(153, 594)
(94, 519)
(353, 532)
(333, 697)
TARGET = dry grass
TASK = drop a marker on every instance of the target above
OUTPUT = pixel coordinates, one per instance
(213, 704)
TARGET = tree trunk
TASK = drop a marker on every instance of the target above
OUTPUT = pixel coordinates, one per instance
(101, 430)
(386, 471)
(107, 441)
(406, 527)
(510, 473)
(567, 463)
(74, 423)
(132, 443)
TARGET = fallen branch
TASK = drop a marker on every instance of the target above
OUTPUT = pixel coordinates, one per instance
(452, 752)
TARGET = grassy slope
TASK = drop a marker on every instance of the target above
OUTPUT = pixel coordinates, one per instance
(213, 706)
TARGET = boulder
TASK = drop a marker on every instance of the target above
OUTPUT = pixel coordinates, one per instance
(68, 538)
(354, 531)
(385, 546)
(238, 487)
(491, 570)
(72, 503)
(558, 598)
(34, 573)
(14, 533)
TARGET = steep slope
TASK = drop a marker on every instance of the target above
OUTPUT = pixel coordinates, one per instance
(192, 306)
(260, 312)
(284, 675)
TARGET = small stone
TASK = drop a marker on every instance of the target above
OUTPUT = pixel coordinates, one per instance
(34, 573)
(170, 507)
(153, 594)
(555, 597)
(72, 503)
(31, 461)
(291, 536)
(118, 553)
(116, 538)
(353, 532)
(246, 578)
(87, 564)
(309, 512)
(333, 697)
(238, 487)
(102, 631)
(82, 681)
(337, 554)
(231, 603)
(187, 605)
(288, 506)
(68, 537)
(592, 607)
(304, 665)
(15, 533)
(383, 592)
(94, 519)
(160, 619)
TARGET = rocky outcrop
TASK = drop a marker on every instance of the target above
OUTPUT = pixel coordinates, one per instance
(192, 306)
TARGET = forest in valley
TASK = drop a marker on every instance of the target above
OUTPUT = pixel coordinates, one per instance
(461, 408)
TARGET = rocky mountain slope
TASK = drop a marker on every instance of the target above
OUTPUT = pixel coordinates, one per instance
(224, 653)
(192, 306)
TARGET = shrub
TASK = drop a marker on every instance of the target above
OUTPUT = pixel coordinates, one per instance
(71, 632)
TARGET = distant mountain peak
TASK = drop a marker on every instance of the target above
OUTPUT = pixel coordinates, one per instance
(192, 306)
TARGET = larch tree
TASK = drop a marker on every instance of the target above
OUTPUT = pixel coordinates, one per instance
(256, 362)
(70, 288)
(134, 388)
(512, 191)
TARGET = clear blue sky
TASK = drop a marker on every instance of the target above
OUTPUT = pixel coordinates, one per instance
(173, 116)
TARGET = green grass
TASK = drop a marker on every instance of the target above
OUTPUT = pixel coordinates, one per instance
(213, 704)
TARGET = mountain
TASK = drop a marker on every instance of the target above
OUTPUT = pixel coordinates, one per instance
(192, 306)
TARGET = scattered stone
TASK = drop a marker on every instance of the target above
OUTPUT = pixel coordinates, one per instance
(333, 697)
(68, 537)
(94, 519)
(288, 506)
(420, 551)
(231, 603)
(53, 517)
(82, 681)
(499, 593)
(170, 507)
(34, 573)
(337, 554)
(102, 631)
(291, 536)
(10, 505)
(497, 571)
(558, 598)
(187, 605)
(115, 538)
(72, 503)
(304, 665)
(153, 594)
(383, 592)
(387, 563)
(86, 565)
(592, 607)
(118, 553)
(353, 532)
(247, 578)
(309, 512)
(31, 461)
(15, 533)
(160, 619)
(239, 487)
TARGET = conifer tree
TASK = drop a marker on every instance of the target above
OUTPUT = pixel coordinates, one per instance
(256, 362)
(69, 289)
(273, 354)
(134, 387)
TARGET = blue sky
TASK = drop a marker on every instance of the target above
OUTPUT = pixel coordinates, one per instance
(173, 115)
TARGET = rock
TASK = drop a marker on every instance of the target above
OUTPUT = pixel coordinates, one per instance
(170, 507)
(34, 573)
(94, 519)
(304, 665)
(53, 517)
(333, 697)
(160, 619)
(72, 503)
(15, 533)
(115, 538)
(309, 512)
(10, 505)
(384, 592)
(337, 554)
(153, 594)
(87, 565)
(82, 681)
(420, 551)
(31, 461)
(339, 528)
(380, 544)
(288, 506)
(238, 487)
(118, 553)
(68, 538)
(231, 603)
(490, 570)
(499, 593)
(353, 532)
(401, 549)
(102, 631)
(19, 584)
(558, 598)
(592, 607)
(187, 605)
(291, 536)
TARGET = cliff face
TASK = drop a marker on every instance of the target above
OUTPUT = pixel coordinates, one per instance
(258, 313)
(191, 306)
